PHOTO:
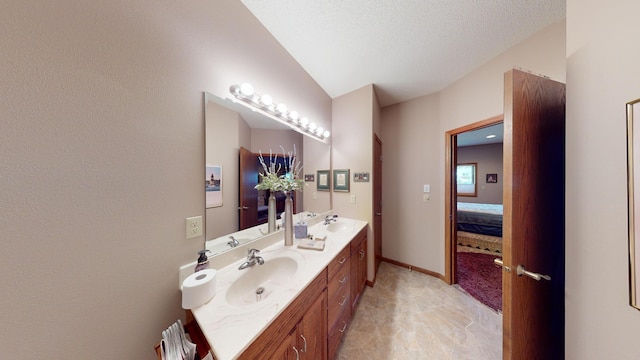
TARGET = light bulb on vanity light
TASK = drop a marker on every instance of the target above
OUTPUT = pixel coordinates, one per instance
(246, 89)
(281, 108)
(312, 126)
(266, 100)
(326, 134)
(319, 131)
(304, 122)
(293, 115)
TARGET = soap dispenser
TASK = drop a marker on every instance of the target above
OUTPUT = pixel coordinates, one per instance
(203, 261)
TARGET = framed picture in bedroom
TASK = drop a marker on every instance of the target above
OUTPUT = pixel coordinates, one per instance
(492, 178)
(633, 191)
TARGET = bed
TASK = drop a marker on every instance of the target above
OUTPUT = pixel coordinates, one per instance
(480, 226)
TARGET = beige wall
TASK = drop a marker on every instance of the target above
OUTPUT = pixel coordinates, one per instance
(414, 149)
(352, 148)
(602, 76)
(102, 152)
(489, 160)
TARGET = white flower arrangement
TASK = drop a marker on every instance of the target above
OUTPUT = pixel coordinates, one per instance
(289, 181)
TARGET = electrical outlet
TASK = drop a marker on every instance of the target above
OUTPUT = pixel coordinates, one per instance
(194, 227)
(353, 199)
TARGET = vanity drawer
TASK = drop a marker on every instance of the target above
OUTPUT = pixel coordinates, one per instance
(340, 280)
(336, 333)
(338, 301)
(340, 259)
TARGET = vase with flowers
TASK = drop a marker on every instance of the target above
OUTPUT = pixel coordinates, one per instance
(281, 176)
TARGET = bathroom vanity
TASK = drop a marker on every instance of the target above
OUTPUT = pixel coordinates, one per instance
(305, 304)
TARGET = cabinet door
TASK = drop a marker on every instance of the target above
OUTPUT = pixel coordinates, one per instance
(358, 272)
(312, 330)
(287, 350)
(362, 266)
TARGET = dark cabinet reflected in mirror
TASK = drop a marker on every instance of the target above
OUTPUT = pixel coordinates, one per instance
(234, 136)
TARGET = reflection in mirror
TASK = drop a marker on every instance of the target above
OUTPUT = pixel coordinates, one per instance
(234, 137)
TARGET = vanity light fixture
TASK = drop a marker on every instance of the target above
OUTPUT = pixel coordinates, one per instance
(246, 95)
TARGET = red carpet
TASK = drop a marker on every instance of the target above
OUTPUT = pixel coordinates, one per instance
(481, 278)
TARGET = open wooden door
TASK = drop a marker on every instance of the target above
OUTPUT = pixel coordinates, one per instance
(533, 223)
(248, 195)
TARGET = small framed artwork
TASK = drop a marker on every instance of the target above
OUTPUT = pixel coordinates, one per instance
(213, 186)
(492, 178)
(324, 181)
(361, 177)
(309, 178)
(341, 180)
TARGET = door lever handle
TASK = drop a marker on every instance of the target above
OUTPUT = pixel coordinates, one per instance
(520, 270)
(500, 263)
(243, 208)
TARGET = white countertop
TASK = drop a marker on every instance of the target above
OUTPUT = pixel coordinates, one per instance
(230, 329)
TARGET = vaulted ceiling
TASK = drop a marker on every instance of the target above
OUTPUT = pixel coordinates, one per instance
(406, 48)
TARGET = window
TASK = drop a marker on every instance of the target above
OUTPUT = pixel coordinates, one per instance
(466, 179)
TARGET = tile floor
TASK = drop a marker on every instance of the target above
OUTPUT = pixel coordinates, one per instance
(409, 315)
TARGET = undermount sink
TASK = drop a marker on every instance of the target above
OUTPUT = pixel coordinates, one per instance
(337, 227)
(261, 282)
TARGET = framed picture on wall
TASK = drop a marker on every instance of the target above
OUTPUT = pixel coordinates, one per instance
(324, 181)
(213, 186)
(492, 178)
(341, 180)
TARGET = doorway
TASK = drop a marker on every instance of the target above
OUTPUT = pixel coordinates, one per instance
(475, 199)
(533, 218)
(451, 193)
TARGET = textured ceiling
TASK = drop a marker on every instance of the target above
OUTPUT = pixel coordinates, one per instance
(406, 48)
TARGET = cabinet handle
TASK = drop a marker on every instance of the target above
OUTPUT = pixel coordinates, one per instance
(305, 344)
(344, 278)
(341, 261)
(297, 353)
(344, 300)
(344, 327)
(361, 254)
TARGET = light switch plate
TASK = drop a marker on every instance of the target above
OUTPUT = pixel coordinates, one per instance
(427, 188)
(426, 198)
(353, 199)
(194, 227)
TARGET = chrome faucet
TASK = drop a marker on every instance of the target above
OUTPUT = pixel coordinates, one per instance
(252, 259)
(329, 218)
(233, 243)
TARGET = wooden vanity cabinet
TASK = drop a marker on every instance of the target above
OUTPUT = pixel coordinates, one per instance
(300, 324)
(314, 324)
(358, 266)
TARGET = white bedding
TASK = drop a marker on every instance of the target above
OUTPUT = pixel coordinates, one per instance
(495, 209)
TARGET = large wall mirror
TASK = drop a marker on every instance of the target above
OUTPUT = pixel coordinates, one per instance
(234, 136)
(633, 183)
